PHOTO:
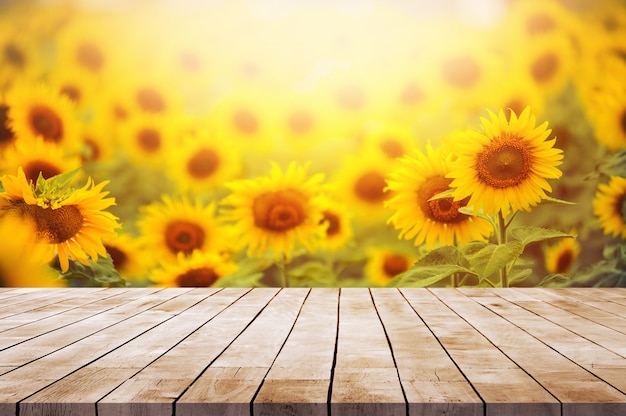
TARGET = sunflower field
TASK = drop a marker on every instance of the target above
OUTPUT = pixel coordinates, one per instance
(328, 143)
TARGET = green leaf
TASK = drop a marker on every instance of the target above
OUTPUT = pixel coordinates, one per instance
(445, 255)
(480, 214)
(424, 276)
(530, 234)
(493, 257)
(519, 275)
(240, 280)
(311, 274)
(473, 247)
(448, 193)
(99, 274)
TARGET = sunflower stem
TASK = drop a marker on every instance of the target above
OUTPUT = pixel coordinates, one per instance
(502, 240)
(282, 267)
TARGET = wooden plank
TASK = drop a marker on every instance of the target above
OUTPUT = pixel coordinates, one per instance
(32, 299)
(365, 380)
(76, 391)
(504, 387)
(64, 356)
(605, 364)
(614, 294)
(432, 382)
(153, 390)
(567, 381)
(245, 362)
(299, 379)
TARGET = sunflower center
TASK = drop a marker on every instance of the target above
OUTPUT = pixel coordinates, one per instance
(564, 262)
(539, 23)
(516, 104)
(394, 264)
(411, 95)
(370, 187)
(54, 226)
(203, 164)
(245, 122)
(280, 210)
(444, 210)
(184, 237)
(351, 97)
(149, 140)
(119, 257)
(461, 72)
(504, 163)
(392, 148)
(14, 55)
(72, 92)
(47, 170)
(46, 123)
(90, 56)
(92, 149)
(334, 224)
(202, 277)
(6, 134)
(300, 122)
(620, 207)
(544, 67)
(150, 100)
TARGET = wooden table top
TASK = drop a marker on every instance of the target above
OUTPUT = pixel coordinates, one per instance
(350, 351)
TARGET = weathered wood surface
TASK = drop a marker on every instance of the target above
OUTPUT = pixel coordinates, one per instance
(313, 352)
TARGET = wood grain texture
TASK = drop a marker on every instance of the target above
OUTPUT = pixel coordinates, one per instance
(312, 352)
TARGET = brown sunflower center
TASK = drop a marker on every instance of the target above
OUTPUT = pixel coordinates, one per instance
(622, 122)
(504, 163)
(351, 97)
(118, 256)
(565, 261)
(92, 149)
(620, 207)
(184, 237)
(280, 210)
(203, 164)
(370, 187)
(245, 122)
(90, 56)
(461, 72)
(13, 55)
(300, 122)
(150, 100)
(6, 134)
(72, 92)
(46, 122)
(47, 170)
(54, 226)
(444, 210)
(334, 223)
(202, 277)
(394, 264)
(539, 23)
(544, 67)
(411, 95)
(392, 148)
(149, 140)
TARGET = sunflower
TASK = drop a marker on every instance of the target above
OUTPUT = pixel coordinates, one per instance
(531, 18)
(200, 269)
(38, 110)
(7, 136)
(127, 255)
(338, 222)
(70, 222)
(180, 225)
(385, 263)
(18, 54)
(393, 140)
(560, 257)
(276, 212)
(609, 206)
(506, 166)
(421, 177)
(23, 262)
(146, 139)
(36, 156)
(203, 163)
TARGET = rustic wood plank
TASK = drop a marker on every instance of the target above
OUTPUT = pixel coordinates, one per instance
(365, 380)
(504, 387)
(432, 382)
(567, 381)
(245, 362)
(73, 393)
(63, 356)
(35, 298)
(153, 390)
(299, 379)
(616, 294)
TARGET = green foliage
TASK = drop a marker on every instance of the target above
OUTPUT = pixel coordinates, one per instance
(249, 274)
(611, 165)
(55, 188)
(99, 274)
(530, 234)
(488, 261)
